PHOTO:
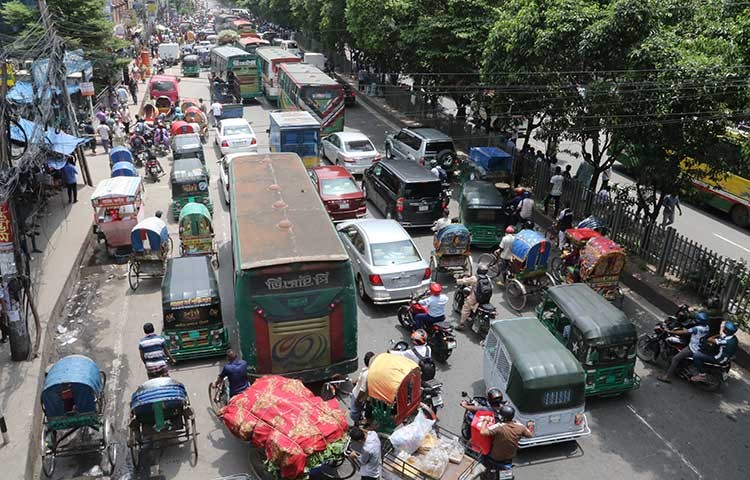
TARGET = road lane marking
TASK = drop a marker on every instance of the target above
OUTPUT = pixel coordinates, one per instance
(731, 242)
(666, 442)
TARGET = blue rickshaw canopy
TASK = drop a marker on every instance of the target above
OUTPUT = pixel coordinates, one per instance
(169, 392)
(76, 374)
(531, 246)
(120, 154)
(152, 229)
(124, 169)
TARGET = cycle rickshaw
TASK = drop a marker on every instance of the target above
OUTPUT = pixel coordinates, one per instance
(163, 105)
(148, 262)
(452, 251)
(575, 239)
(73, 403)
(602, 262)
(527, 273)
(160, 412)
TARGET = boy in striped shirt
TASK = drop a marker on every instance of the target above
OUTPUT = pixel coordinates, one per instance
(154, 353)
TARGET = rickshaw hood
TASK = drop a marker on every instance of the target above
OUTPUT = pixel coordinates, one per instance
(385, 374)
(82, 374)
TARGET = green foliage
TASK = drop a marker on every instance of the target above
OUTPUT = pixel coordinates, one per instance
(17, 14)
(376, 27)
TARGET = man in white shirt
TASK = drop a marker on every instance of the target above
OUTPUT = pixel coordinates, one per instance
(105, 134)
(370, 459)
(442, 222)
(359, 393)
(506, 250)
(525, 208)
(216, 111)
(555, 193)
(418, 349)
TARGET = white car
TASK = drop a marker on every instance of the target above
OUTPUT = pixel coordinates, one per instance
(235, 135)
(351, 150)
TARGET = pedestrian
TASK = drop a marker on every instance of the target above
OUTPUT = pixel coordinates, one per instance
(564, 222)
(110, 121)
(154, 353)
(125, 120)
(88, 129)
(373, 81)
(105, 135)
(216, 112)
(202, 106)
(539, 156)
(606, 175)
(101, 114)
(566, 174)
(359, 392)
(670, 202)
(361, 79)
(70, 174)
(603, 197)
(525, 209)
(370, 459)
(122, 95)
(133, 87)
(555, 192)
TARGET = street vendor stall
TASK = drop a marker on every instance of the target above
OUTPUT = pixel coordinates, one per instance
(118, 207)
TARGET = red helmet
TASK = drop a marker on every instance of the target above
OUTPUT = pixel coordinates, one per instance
(510, 229)
(419, 337)
(436, 288)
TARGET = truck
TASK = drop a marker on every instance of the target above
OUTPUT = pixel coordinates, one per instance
(296, 132)
(317, 60)
(169, 53)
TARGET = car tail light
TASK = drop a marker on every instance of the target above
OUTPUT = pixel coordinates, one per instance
(254, 141)
(579, 418)
(427, 273)
(376, 280)
(400, 204)
(377, 158)
(224, 143)
(348, 159)
(332, 204)
(530, 426)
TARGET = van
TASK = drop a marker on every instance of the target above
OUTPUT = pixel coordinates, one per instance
(539, 377)
(404, 191)
(164, 86)
(426, 146)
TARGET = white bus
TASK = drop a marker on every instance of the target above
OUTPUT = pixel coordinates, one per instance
(269, 59)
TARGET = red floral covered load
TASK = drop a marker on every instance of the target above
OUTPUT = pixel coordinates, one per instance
(284, 418)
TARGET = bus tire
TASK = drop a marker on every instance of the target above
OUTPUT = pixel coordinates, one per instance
(740, 215)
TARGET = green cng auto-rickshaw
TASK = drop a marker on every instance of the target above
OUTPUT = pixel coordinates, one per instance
(193, 325)
(191, 66)
(482, 211)
(189, 183)
(600, 336)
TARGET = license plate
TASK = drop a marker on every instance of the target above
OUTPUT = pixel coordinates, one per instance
(437, 401)
(451, 344)
(424, 208)
(554, 419)
(344, 204)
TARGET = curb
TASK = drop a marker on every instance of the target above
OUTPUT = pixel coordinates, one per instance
(34, 453)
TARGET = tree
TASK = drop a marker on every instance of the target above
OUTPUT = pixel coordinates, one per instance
(333, 28)
(18, 15)
(376, 27)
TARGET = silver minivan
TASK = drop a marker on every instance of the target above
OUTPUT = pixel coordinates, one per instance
(538, 376)
(426, 146)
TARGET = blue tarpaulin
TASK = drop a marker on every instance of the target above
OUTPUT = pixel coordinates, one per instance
(59, 142)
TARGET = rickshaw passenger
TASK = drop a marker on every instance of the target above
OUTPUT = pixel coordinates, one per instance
(236, 372)
(442, 222)
(481, 293)
(435, 304)
(418, 349)
(359, 392)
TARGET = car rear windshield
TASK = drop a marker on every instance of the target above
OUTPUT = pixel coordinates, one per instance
(359, 146)
(435, 147)
(162, 86)
(422, 190)
(394, 253)
(338, 186)
(482, 216)
(236, 130)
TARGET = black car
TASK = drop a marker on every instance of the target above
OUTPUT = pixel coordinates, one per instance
(404, 191)
(350, 98)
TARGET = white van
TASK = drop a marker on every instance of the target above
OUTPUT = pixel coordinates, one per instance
(290, 46)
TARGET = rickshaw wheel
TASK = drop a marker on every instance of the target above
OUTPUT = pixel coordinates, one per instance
(515, 294)
(433, 269)
(194, 441)
(217, 399)
(109, 466)
(133, 279)
(48, 459)
(551, 281)
(558, 269)
(490, 261)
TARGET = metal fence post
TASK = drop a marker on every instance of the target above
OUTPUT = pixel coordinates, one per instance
(664, 258)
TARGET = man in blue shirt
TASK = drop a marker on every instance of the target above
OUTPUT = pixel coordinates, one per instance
(70, 174)
(697, 333)
(236, 372)
(370, 458)
(727, 347)
(435, 305)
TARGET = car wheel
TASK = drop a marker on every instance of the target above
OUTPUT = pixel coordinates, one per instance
(361, 289)
(364, 191)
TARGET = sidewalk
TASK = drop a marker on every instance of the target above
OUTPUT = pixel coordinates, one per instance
(65, 234)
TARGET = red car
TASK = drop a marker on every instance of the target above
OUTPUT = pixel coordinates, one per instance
(340, 193)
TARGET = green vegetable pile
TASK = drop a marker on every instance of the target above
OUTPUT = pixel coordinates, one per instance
(332, 453)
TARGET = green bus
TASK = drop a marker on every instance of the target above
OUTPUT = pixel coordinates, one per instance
(294, 287)
(304, 87)
(239, 67)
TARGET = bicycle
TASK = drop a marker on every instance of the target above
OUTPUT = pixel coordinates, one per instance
(495, 265)
(218, 396)
(339, 387)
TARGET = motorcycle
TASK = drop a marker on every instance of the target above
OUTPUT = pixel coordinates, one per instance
(479, 320)
(431, 390)
(153, 167)
(502, 471)
(661, 346)
(440, 335)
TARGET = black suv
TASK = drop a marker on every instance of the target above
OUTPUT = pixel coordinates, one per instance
(404, 191)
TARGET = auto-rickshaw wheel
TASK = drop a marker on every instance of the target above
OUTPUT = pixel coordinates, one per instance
(133, 277)
(49, 439)
(515, 295)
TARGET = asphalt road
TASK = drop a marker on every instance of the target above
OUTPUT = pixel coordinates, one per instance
(658, 432)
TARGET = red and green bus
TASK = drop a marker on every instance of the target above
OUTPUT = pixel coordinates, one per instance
(304, 87)
(294, 290)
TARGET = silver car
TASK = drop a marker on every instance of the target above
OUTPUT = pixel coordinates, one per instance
(387, 265)
(351, 150)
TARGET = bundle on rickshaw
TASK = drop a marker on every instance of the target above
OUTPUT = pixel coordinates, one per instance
(602, 262)
(295, 430)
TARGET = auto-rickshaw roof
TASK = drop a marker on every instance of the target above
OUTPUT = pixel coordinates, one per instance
(189, 278)
(481, 194)
(540, 359)
(190, 58)
(185, 170)
(596, 318)
(194, 208)
(385, 374)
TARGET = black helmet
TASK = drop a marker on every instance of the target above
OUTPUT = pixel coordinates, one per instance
(495, 397)
(507, 413)
(482, 270)
(713, 303)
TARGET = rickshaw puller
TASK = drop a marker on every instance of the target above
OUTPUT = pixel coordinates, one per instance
(435, 304)
(236, 372)
(506, 249)
(481, 293)
(506, 435)
(359, 392)
(442, 222)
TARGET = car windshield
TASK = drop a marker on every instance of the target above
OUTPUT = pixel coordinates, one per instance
(394, 253)
(359, 146)
(338, 186)
(422, 190)
(435, 147)
(162, 86)
(236, 130)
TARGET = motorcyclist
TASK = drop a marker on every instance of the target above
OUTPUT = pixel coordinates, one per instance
(141, 128)
(495, 402)
(443, 221)
(505, 249)
(506, 435)
(727, 343)
(435, 304)
(236, 372)
(481, 293)
(419, 344)
(161, 135)
(525, 209)
(697, 333)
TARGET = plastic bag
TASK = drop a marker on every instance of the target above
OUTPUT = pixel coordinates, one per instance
(409, 438)
(434, 462)
(453, 449)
